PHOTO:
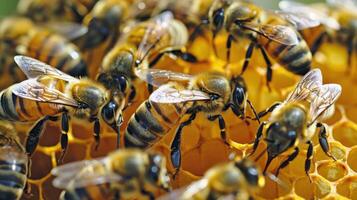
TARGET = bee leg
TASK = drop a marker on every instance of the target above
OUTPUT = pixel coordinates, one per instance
(323, 140)
(290, 158)
(150, 195)
(34, 135)
(258, 138)
(222, 126)
(350, 45)
(176, 144)
(254, 111)
(308, 159)
(268, 110)
(248, 55)
(230, 39)
(269, 70)
(64, 135)
(318, 42)
(197, 31)
(96, 129)
(188, 57)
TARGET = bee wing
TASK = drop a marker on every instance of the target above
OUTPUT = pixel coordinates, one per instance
(323, 99)
(299, 19)
(69, 30)
(187, 191)
(346, 4)
(306, 16)
(279, 33)
(309, 83)
(83, 173)
(153, 34)
(168, 94)
(33, 90)
(34, 68)
(158, 77)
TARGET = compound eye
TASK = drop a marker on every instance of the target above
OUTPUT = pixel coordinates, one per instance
(108, 112)
(218, 18)
(238, 96)
(122, 83)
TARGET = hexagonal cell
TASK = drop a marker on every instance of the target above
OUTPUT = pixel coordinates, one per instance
(41, 165)
(106, 145)
(242, 133)
(51, 135)
(82, 129)
(75, 151)
(318, 188)
(346, 133)
(352, 159)
(49, 191)
(331, 170)
(336, 149)
(348, 187)
(275, 188)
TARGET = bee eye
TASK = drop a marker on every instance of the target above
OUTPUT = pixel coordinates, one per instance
(218, 18)
(122, 82)
(214, 97)
(108, 112)
(238, 95)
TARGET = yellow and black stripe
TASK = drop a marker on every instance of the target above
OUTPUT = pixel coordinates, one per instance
(150, 122)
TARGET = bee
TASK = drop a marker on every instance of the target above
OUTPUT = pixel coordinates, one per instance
(20, 36)
(211, 93)
(13, 163)
(130, 173)
(267, 32)
(163, 34)
(44, 11)
(337, 19)
(238, 179)
(48, 93)
(294, 122)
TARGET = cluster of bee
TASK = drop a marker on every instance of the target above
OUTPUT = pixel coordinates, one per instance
(80, 58)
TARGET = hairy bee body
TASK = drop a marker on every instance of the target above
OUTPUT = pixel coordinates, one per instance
(13, 163)
(295, 58)
(133, 173)
(43, 11)
(21, 36)
(153, 120)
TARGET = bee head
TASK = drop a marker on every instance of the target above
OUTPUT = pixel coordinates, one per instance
(252, 174)
(217, 16)
(157, 172)
(242, 12)
(239, 90)
(112, 114)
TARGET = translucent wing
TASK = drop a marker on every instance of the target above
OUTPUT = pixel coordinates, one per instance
(83, 173)
(306, 15)
(153, 34)
(347, 4)
(34, 68)
(69, 30)
(186, 192)
(279, 33)
(168, 94)
(309, 83)
(33, 90)
(74, 167)
(299, 20)
(157, 77)
(323, 99)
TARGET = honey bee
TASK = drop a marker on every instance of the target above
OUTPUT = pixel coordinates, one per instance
(130, 173)
(43, 10)
(211, 93)
(13, 163)
(238, 179)
(267, 32)
(20, 36)
(48, 93)
(338, 19)
(295, 121)
(154, 38)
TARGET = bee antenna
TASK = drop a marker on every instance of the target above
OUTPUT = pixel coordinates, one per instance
(214, 44)
(261, 154)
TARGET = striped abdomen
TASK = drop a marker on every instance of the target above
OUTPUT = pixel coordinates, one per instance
(150, 122)
(56, 51)
(15, 108)
(295, 58)
(93, 192)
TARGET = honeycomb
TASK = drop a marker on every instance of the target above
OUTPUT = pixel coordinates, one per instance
(201, 144)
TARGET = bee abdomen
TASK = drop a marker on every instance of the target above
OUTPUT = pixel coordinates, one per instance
(8, 105)
(143, 128)
(12, 179)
